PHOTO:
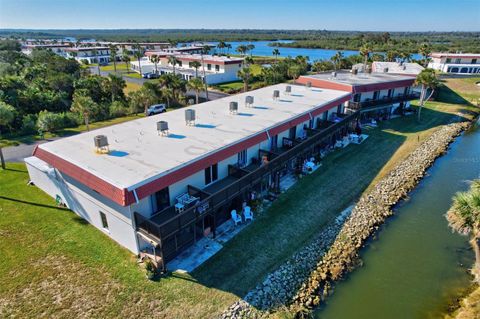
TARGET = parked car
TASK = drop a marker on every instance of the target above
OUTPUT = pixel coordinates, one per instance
(156, 109)
(103, 63)
(152, 75)
(146, 74)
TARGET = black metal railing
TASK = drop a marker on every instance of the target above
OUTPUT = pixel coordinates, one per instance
(385, 100)
(245, 182)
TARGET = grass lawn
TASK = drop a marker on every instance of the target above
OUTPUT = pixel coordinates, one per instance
(54, 264)
(13, 141)
(134, 75)
(131, 87)
(120, 67)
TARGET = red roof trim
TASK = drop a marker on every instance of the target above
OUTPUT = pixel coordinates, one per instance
(88, 179)
(124, 197)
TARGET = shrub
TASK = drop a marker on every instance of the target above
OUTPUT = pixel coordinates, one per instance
(29, 124)
(117, 109)
(48, 121)
(69, 119)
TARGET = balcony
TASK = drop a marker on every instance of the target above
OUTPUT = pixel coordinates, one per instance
(365, 105)
(167, 224)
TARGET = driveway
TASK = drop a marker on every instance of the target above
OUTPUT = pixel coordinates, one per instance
(18, 153)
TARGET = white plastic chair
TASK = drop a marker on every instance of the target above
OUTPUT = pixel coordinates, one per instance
(247, 213)
(236, 219)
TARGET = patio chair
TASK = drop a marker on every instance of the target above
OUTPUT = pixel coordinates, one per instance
(236, 219)
(247, 213)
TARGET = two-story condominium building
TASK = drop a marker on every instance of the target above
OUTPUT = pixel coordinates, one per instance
(165, 180)
(464, 63)
(375, 95)
(54, 47)
(99, 54)
(218, 69)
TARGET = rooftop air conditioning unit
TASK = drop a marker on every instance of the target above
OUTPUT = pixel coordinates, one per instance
(249, 101)
(276, 94)
(233, 107)
(309, 84)
(101, 144)
(385, 70)
(190, 117)
(162, 128)
(334, 74)
(288, 89)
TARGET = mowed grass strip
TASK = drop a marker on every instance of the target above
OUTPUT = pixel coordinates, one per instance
(56, 265)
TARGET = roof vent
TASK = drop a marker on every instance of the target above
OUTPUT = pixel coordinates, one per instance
(190, 117)
(101, 144)
(249, 101)
(288, 89)
(334, 74)
(309, 84)
(276, 94)
(355, 71)
(404, 67)
(162, 128)
(233, 107)
(385, 70)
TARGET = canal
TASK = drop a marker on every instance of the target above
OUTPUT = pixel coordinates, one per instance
(415, 266)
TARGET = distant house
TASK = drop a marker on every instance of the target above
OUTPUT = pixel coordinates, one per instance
(463, 63)
(402, 68)
(99, 54)
(218, 69)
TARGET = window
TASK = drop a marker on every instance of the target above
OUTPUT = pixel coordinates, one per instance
(162, 199)
(209, 66)
(357, 97)
(376, 94)
(180, 63)
(474, 61)
(339, 109)
(103, 217)
(211, 174)
(458, 61)
(449, 60)
(292, 133)
(390, 93)
(242, 158)
(217, 68)
(273, 142)
(325, 116)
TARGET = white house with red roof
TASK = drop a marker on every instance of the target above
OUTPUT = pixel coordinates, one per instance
(94, 54)
(461, 63)
(217, 69)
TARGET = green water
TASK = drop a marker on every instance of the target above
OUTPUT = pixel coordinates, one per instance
(415, 266)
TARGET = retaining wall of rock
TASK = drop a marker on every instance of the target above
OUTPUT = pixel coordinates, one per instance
(307, 278)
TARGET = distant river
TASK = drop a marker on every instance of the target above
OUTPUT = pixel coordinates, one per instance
(262, 48)
(416, 265)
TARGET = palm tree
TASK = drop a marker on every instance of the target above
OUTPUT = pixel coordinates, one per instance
(242, 49)
(117, 84)
(83, 105)
(428, 80)
(391, 55)
(228, 46)
(113, 56)
(155, 59)
(173, 61)
(250, 48)
(167, 94)
(196, 85)
(365, 51)
(245, 74)
(221, 46)
(405, 56)
(126, 59)
(138, 53)
(196, 65)
(276, 53)
(425, 51)
(337, 59)
(464, 218)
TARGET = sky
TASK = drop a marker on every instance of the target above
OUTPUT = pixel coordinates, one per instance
(361, 15)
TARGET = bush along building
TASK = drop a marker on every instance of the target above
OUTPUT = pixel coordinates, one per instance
(168, 180)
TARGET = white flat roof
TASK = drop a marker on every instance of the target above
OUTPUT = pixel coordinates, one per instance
(346, 77)
(397, 68)
(138, 153)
